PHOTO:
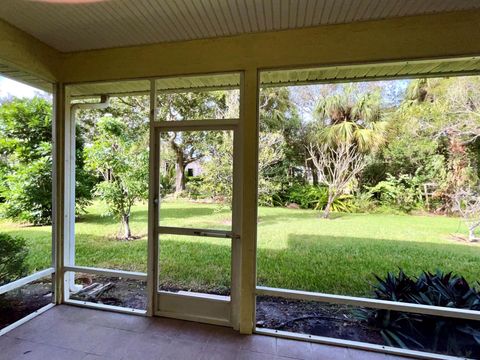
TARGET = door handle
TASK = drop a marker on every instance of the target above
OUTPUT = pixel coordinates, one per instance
(216, 234)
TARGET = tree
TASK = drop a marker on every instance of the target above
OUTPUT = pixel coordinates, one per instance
(187, 145)
(279, 116)
(337, 167)
(271, 152)
(187, 148)
(121, 160)
(26, 161)
(218, 169)
(348, 127)
(467, 204)
(351, 115)
(445, 114)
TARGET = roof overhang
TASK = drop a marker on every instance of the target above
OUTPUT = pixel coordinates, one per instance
(286, 77)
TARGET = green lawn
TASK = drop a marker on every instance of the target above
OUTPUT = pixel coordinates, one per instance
(296, 249)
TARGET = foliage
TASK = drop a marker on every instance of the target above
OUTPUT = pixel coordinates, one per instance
(120, 158)
(26, 156)
(190, 146)
(281, 144)
(363, 202)
(350, 115)
(467, 204)
(407, 330)
(194, 188)
(444, 114)
(218, 170)
(26, 162)
(348, 129)
(316, 197)
(270, 155)
(403, 192)
(167, 180)
(13, 253)
(338, 168)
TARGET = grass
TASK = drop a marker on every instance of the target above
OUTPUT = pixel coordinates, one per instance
(296, 249)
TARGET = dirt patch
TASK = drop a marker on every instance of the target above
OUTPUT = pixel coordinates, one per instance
(112, 291)
(18, 303)
(340, 322)
(313, 318)
(122, 292)
(463, 239)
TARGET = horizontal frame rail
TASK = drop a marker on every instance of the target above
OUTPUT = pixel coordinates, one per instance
(353, 344)
(197, 125)
(26, 280)
(370, 303)
(113, 308)
(170, 230)
(195, 295)
(107, 272)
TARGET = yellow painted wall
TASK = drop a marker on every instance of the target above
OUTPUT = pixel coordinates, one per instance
(442, 35)
(21, 51)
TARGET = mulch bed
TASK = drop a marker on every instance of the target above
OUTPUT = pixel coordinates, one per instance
(18, 303)
(112, 291)
(313, 318)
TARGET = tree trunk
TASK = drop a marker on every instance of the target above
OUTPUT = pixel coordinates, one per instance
(471, 234)
(326, 211)
(471, 231)
(127, 233)
(180, 173)
(313, 169)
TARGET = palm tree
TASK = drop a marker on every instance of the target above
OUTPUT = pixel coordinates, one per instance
(346, 119)
(350, 116)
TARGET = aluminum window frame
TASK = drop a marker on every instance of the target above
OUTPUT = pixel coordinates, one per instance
(352, 300)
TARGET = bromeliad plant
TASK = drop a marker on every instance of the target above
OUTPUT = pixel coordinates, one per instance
(425, 332)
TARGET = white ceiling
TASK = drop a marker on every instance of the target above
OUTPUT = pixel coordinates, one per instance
(73, 25)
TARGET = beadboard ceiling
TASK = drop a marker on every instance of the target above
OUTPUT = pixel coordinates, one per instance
(74, 25)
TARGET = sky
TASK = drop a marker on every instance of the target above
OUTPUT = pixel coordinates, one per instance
(10, 87)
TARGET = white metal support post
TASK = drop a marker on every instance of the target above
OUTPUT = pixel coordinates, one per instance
(58, 200)
(69, 197)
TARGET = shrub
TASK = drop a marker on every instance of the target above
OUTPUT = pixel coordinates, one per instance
(28, 192)
(363, 202)
(403, 192)
(13, 252)
(26, 162)
(315, 197)
(454, 336)
(167, 181)
(194, 188)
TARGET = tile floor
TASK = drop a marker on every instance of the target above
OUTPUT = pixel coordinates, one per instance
(72, 333)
